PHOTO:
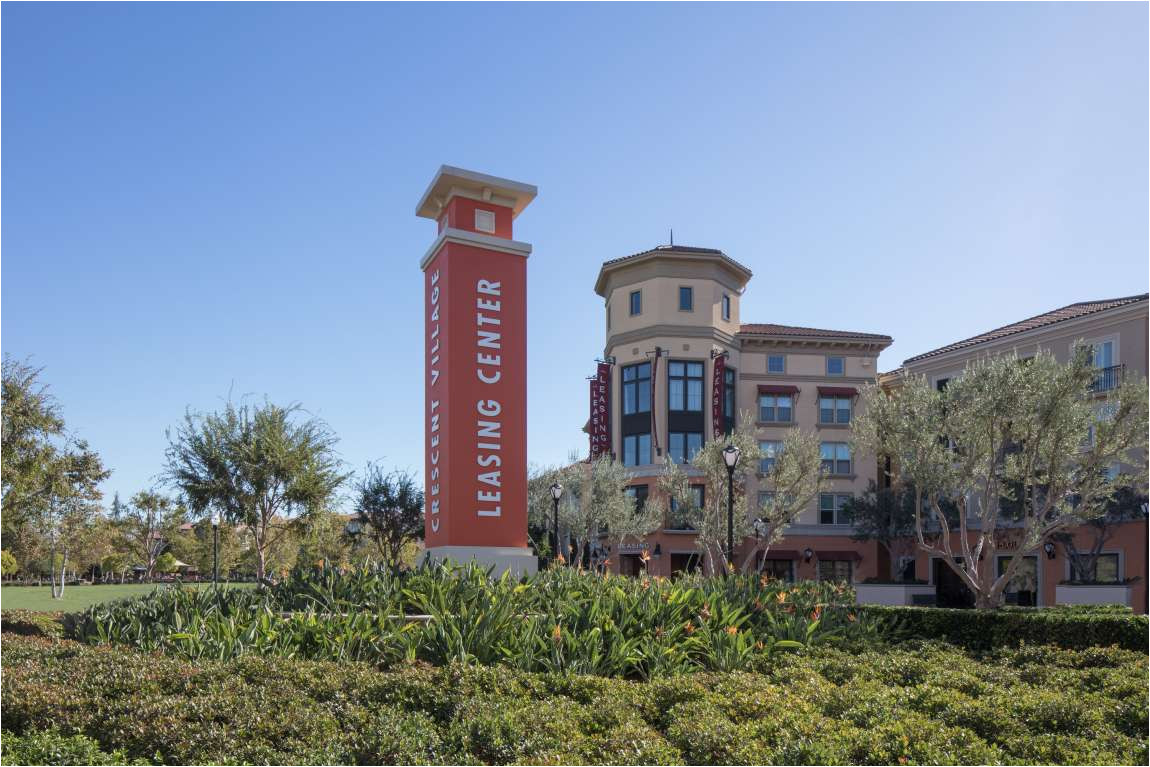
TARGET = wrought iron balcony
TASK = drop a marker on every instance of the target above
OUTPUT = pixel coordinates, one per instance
(1109, 378)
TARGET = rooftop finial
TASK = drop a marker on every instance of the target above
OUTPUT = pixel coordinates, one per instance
(672, 238)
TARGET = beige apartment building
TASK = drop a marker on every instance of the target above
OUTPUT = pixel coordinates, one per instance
(670, 312)
(1115, 330)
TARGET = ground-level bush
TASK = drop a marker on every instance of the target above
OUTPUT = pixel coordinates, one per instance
(50, 747)
(925, 703)
(30, 623)
(1007, 627)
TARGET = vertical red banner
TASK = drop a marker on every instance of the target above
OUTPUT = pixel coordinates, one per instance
(601, 411)
(717, 415)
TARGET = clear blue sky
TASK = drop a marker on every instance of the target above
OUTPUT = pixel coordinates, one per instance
(207, 198)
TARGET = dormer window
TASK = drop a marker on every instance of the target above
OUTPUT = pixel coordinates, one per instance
(484, 221)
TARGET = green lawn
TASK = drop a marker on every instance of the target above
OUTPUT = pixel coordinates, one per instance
(79, 597)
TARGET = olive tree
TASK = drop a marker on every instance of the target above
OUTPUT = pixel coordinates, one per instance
(259, 466)
(595, 502)
(791, 482)
(1019, 444)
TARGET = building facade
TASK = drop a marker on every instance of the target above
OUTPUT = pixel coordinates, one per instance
(1115, 331)
(670, 313)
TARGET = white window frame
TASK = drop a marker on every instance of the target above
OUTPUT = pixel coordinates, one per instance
(481, 218)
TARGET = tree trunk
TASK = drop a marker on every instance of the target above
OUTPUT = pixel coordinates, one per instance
(260, 562)
(63, 570)
(52, 566)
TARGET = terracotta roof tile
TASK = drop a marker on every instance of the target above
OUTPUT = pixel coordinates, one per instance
(677, 249)
(683, 248)
(794, 330)
(1073, 311)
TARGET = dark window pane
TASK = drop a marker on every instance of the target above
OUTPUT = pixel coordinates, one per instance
(1107, 570)
(686, 299)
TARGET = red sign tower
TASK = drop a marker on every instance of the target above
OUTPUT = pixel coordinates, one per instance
(475, 288)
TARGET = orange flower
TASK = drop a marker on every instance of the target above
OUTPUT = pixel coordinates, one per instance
(556, 634)
(690, 628)
(817, 613)
(851, 617)
(782, 597)
(705, 613)
(732, 630)
(759, 646)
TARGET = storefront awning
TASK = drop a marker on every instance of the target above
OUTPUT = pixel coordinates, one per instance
(838, 391)
(833, 554)
(778, 389)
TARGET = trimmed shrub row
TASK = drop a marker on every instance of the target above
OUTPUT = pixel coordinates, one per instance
(982, 630)
(926, 703)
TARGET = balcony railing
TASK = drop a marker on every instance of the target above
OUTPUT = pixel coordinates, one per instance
(1107, 379)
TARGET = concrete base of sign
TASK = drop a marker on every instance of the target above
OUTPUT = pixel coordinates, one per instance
(519, 561)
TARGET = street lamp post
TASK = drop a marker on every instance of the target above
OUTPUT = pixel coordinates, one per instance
(556, 494)
(730, 458)
(215, 548)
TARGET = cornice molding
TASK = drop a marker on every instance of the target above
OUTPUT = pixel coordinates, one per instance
(474, 239)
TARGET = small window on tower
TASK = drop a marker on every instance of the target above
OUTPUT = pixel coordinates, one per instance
(484, 221)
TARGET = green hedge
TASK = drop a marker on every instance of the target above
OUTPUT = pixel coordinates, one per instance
(926, 703)
(50, 747)
(1008, 627)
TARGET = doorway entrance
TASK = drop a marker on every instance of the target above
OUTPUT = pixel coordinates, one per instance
(951, 591)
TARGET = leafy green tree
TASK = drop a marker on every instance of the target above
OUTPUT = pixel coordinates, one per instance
(115, 565)
(165, 563)
(118, 509)
(389, 511)
(49, 478)
(149, 523)
(258, 466)
(230, 548)
(886, 516)
(323, 538)
(70, 503)
(1017, 442)
(32, 428)
(8, 564)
